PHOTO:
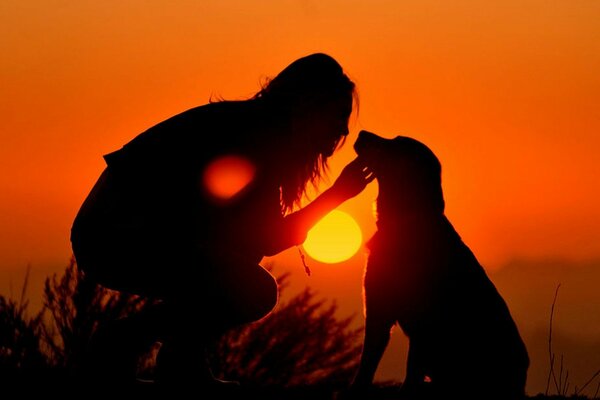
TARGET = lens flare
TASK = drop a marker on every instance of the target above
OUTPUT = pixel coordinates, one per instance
(226, 176)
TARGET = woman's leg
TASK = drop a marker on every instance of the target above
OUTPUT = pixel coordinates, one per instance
(247, 293)
(201, 313)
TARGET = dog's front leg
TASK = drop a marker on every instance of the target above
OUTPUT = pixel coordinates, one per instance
(377, 336)
(415, 367)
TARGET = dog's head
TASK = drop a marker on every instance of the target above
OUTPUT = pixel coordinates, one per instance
(407, 171)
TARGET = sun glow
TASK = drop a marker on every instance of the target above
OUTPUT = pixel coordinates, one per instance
(334, 239)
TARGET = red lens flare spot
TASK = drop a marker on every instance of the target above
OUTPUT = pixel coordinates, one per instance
(226, 176)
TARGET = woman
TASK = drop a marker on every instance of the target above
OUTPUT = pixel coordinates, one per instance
(151, 226)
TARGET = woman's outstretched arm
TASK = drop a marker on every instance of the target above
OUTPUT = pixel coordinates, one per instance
(353, 179)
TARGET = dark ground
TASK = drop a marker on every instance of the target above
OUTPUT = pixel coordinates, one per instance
(152, 391)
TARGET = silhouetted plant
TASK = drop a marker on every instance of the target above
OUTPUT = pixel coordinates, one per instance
(76, 309)
(20, 350)
(561, 378)
(300, 344)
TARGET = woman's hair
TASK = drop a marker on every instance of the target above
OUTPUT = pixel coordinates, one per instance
(303, 87)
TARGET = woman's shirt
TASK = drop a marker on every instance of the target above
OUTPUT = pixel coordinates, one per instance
(157, 182)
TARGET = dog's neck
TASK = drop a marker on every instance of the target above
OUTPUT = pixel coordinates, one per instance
(391, 217)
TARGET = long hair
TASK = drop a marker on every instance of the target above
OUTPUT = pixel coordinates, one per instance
(304, 86)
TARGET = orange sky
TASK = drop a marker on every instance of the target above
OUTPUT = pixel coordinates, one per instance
(506, 93)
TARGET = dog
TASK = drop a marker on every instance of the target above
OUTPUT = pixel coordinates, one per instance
(463, 341)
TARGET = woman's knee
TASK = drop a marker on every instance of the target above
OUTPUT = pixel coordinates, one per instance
(254, 294)
(268, 295)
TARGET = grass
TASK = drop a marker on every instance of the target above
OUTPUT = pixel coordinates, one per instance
(558, 377)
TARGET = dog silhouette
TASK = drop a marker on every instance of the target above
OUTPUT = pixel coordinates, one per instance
(463, 340)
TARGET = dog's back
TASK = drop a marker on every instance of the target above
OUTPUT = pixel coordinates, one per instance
(421, 274)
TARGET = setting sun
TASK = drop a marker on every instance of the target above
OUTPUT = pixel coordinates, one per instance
(335, 238)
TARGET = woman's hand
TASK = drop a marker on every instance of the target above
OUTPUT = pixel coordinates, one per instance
(353, 179)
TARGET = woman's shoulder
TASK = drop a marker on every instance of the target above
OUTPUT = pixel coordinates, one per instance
(207, 121)
(199, 134)
(227, 107)
(227, 119)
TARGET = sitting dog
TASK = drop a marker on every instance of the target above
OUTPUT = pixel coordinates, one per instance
(463, 342)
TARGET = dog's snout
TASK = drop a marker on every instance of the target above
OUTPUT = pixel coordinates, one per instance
(365, 139)
(366, 135)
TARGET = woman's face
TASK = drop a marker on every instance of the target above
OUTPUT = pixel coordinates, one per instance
(324, 126)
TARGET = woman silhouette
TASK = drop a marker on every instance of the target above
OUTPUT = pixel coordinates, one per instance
(155, 225)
